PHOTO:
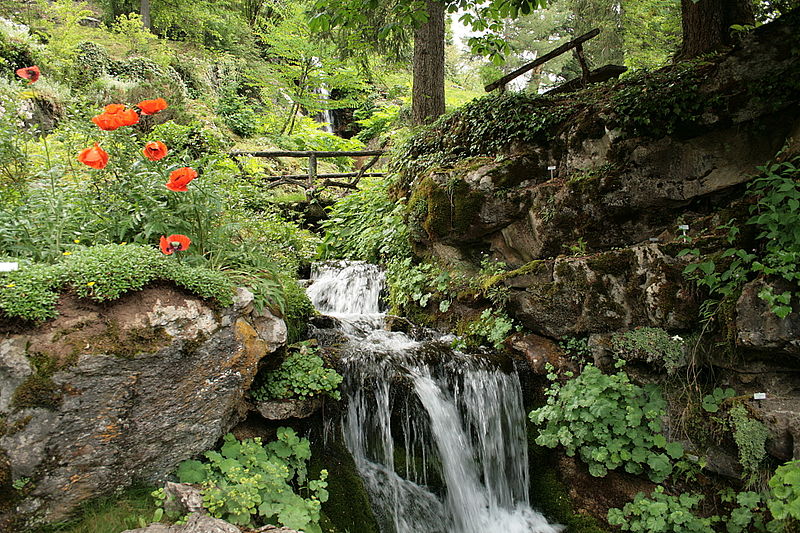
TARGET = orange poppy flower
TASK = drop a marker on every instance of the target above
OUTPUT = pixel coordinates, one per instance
(94, 157)
(155, 150)
(107, 122)
(151, 107)
(174, 243)
(180, 178)
(29, 73)
(128, 117)
(115, 116)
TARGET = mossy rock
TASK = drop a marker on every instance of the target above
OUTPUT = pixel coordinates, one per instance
(348, 509)
(443, 210)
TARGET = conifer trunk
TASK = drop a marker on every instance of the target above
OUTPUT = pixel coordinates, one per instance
(427, 96)
(706, 24)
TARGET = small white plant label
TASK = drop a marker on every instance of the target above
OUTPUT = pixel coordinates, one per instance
(684, 227)
(759, 395)
(551, 168)
(9, 267)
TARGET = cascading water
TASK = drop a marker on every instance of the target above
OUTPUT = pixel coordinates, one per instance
(438, 436)
(325, 116)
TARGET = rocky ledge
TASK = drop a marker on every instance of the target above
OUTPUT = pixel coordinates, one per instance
(107, 395)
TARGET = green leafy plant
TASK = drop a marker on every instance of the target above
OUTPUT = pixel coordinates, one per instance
(711, 402)
(576, 347)
(249, 483)
(102, 273)
(776, 217)
(750, 436)
(784, 501)
(609, 422)
(661, 513)
(301, 375)
(491, 327)
(652, 345)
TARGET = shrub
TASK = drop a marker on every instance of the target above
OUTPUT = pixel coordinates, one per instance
(610, 422)
(784, 502)
(660, 513)
(652, 345)
(367, 225)
(301, 375)
(750, 436)
(247, 482)
(102, 273)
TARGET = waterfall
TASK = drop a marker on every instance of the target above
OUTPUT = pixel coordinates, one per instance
(325, 116)
(438, 436)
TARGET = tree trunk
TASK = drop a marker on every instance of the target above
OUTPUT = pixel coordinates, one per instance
(144, 11)
(706, 24)
(427, 96)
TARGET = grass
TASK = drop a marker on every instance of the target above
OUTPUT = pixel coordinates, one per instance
(112, 514)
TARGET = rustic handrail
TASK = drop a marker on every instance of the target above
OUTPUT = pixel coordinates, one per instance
(306, 181)
(307, 153)
(574, 43)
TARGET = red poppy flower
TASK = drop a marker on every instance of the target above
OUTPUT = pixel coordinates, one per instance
(128, 117)
(180, 178)
(174, 243)
(113, 109)
(94, 157)
(151, 107)
(107, 122)
(29, 73)
(155, 150)
(115, 116)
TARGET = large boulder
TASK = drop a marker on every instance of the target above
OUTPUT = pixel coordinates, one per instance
(618, 289)
(105, 395)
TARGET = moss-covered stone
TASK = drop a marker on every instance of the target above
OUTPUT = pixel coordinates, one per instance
(616, 263)
(348, 509)
(129, 343)
(443, 210)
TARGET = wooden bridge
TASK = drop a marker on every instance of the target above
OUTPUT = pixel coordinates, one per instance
(307, 180)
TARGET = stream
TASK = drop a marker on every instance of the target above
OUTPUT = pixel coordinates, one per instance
(438, 436)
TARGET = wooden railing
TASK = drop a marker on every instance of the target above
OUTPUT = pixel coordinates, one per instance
(307, 180)
(576, 43)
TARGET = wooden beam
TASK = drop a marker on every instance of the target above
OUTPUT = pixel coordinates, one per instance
(307, 153)
(596, 76)
(545, 58)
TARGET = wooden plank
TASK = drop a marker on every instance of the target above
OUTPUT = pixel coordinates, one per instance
(312, 168)
(545, 58)
(308, 153)
(596, 76)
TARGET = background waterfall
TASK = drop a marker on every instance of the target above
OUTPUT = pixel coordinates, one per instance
(438, 436)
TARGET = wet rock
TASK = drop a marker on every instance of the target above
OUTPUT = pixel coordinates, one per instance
(285, 409)
(618, 289)
(14, 369)
(126, 400)
(182, 499)
(759, 328)
(539, 351)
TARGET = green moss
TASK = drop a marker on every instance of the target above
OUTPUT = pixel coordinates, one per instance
(37, 391)
(348, 509)
(128, 343)
(442, 210)
(551, 496)
(528, 268)
(616, 263)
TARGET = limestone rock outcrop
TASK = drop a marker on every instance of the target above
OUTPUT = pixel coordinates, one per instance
(106, 395)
